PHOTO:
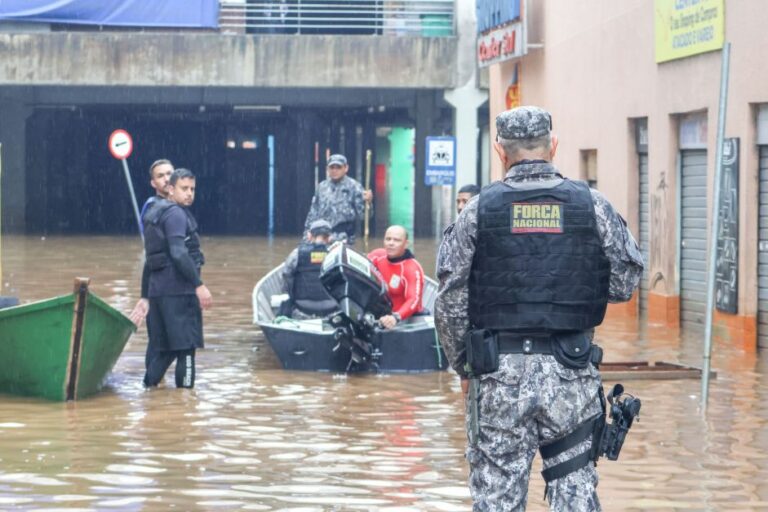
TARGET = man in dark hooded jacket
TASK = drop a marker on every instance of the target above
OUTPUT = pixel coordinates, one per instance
(173, 294)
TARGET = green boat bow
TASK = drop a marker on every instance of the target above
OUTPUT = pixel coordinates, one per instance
(61, 348)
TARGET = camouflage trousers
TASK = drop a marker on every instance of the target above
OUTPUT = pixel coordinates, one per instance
(531, 400)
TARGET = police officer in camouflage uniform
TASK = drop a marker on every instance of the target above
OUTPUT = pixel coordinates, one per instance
(463, 196)
(301, 276)
(532, 263)
(340, 200)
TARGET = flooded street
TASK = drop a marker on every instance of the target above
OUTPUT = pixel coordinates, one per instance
(251, 436)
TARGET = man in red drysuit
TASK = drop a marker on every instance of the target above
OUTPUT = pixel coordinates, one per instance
(402, 273)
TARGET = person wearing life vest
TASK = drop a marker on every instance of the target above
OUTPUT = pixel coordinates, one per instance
(301, 276)
(402, 274)
(172, 291)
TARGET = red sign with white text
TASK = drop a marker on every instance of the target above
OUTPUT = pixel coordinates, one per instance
(501, 44)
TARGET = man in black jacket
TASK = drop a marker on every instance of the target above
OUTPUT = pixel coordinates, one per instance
(172, 293)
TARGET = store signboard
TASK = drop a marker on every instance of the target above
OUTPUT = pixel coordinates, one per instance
(688, 27)
(500, 44)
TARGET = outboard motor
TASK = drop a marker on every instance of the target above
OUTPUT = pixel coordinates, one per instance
(355, 283)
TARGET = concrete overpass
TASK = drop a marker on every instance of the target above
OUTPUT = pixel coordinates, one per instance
(77, 73)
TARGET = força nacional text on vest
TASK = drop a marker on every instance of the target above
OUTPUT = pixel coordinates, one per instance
(536, 218)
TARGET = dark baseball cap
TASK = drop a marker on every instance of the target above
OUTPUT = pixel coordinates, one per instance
(527, 122)
(337, 160)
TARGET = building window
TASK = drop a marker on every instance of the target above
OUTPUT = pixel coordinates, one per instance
(588, 167)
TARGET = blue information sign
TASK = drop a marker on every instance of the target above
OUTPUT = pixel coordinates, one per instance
(441, 161)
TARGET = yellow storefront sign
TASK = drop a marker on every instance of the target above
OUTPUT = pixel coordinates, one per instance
(688, 27)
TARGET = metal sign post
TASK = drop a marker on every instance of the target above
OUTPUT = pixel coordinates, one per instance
(121, 147)
(714, 233)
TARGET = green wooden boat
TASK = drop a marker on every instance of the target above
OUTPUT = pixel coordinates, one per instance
(61, 348)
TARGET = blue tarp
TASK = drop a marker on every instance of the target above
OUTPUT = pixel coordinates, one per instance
(134, 13)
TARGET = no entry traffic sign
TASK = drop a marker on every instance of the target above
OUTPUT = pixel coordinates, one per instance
(120, 144)
(121, 147)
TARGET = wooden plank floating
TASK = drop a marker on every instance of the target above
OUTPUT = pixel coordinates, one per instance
(645, 370)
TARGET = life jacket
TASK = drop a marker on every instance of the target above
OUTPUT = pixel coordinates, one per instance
(192, 240)
(155, 244)
(539, 264)
(308, 293)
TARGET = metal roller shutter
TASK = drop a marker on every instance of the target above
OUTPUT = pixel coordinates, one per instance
(693, 260)
(762, 255)
(645, 220)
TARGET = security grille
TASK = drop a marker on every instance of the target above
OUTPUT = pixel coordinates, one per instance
(645, 219)
(762, 255)
(693, 261)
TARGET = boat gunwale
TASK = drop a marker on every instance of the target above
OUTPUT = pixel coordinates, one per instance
(95, 300)
(38, 305)
(257, 312)
(69, 300)
(415, 329)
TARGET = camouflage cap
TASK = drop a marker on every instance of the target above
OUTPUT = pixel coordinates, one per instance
(337, 159)
(523, 123)
(320, 227)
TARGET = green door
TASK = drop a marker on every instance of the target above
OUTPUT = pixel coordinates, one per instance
(400, 177)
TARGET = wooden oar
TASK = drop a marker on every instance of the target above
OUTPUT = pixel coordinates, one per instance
(366, 221)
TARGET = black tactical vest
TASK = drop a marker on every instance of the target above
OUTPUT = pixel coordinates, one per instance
(155, 244)
(192, 240)
(539, 264)
(308, 293)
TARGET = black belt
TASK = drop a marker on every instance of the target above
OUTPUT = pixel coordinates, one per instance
(513, 343)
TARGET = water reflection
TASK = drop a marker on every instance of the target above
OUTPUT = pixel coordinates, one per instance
(253, 437)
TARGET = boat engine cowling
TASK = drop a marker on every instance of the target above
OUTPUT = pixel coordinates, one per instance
(352, 280)
(355, 283)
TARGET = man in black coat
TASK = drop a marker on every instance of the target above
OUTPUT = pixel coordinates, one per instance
(172, 292)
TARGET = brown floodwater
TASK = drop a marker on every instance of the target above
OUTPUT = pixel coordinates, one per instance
(251, 436)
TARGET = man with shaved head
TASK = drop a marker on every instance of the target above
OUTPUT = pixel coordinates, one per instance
(402, 273)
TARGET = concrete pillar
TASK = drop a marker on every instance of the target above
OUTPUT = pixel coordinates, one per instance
(13, 122)
(465, 101)
(426, 113)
